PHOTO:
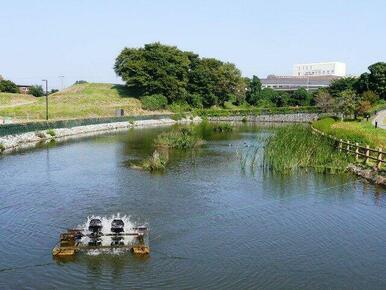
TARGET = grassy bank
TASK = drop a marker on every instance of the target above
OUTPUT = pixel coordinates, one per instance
(10, 100)
(354, 131)
(294, 147)
(78, 101)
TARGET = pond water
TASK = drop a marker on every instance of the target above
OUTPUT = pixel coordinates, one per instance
(214, 223)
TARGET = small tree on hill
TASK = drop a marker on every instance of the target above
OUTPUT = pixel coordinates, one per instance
(346, 103)
(36, 91)
(8, 86)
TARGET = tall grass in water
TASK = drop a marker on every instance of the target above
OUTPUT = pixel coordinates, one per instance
(296, 147)
(179, 138)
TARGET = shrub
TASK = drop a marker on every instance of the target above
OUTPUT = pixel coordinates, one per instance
(2, 148)
(51, 132)
(154, 102)
(179, 107)
(36, 91)
(195, 101)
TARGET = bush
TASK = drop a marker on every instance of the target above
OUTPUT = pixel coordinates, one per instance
(2, 148)
(51, 132)
(179, 107)
(195, 101)
(154, 102)
(8, 87)
(36, 91)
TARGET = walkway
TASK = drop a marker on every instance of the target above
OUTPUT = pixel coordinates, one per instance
(380, 117)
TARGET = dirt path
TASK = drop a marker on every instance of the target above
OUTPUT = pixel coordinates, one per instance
(16, 105)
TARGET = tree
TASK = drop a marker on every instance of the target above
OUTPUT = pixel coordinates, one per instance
(346, 103)
(36, 91)
(377, 79)
(253, 90)
(53, 91)
(339, 85)
(215, 81)
(370, 96)
(324, 100)
(300, 97)
(155, 69)
(363, 107)
(8, 86)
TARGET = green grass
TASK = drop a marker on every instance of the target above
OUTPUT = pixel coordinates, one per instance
(8, 99)
(78, 101)
(295, 146)
(361, 132)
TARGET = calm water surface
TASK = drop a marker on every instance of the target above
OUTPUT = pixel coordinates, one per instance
(213, 224)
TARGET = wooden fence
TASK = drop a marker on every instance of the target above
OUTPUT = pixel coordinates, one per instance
(360, 152)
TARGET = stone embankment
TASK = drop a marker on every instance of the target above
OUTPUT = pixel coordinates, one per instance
(14, 142)
(369, 174)
(278, 118)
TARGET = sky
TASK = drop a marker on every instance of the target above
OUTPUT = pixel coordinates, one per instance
(80, 39)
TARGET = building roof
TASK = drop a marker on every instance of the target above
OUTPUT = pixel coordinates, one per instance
(299, 80)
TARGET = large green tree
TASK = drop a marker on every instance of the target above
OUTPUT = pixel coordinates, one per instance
(377, 79)
(216, 81)
(339, 85)
(155, 69)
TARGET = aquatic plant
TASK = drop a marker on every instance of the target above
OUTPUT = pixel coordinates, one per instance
(156, 162)
(2, 148)
(222, 127)
(296, 146)
(179, 138)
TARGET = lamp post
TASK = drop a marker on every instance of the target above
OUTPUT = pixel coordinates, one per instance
(46, 98)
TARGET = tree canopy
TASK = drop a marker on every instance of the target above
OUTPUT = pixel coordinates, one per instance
(177, 74)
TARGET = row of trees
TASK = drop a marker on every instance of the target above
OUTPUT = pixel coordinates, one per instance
(183, 76)
(355, 96)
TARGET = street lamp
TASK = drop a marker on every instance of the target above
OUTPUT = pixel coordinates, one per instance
(46, 98)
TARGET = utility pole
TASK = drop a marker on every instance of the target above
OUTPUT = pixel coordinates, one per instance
(62, 82)
(46, 98)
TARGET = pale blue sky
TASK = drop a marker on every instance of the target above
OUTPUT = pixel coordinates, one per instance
(80, 39)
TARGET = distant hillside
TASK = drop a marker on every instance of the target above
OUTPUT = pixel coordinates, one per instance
(78, 101)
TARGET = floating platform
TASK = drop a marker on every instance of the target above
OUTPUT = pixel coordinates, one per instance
(76, 240)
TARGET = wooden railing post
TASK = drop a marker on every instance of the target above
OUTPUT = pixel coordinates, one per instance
(340, 145)
(380, 154)
(348, 146)
(367, 154)
(356, 151)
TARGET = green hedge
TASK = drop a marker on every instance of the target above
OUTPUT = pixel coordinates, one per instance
(18, 128)
(255, 111)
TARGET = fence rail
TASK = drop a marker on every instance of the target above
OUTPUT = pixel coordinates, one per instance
(360, 151)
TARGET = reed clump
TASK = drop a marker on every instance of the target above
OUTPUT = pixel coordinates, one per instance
(179, 138)
(297, 146)
(156, 162)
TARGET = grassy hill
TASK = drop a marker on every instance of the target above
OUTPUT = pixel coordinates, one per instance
(78, 101)
(10, 100)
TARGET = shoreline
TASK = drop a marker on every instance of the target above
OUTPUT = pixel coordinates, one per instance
(12, 143)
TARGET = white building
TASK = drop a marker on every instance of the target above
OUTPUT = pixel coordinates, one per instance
(320, 69)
